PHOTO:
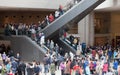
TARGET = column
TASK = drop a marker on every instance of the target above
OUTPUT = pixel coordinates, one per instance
(86, 29)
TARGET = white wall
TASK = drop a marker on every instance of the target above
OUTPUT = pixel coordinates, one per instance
(118, 1)
(47, 4)
(115, 4)
(43, 4)
(105, 4)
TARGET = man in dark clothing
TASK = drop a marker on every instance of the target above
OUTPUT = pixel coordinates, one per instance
(36, 69)
(14, 66)
(84, 48)
(21, 68)
(45, 60)
(71, 65)
(18, 58)
(10, 53)
(30, 70)
(71, 39)
(61, 52)
(61, 10)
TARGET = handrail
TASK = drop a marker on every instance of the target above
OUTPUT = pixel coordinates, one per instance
(61, 16)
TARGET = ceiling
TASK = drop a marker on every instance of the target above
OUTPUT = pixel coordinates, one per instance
(5, 8)
(23, 9)
(109, 9)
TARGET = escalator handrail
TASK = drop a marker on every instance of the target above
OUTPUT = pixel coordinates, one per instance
(62, 15)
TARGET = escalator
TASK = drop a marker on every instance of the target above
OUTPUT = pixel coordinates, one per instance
(67, 47)
(75, 14)
(28, 49)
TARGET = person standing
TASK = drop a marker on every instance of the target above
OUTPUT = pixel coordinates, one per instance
(62, 67)
(56, 49)
(18, 58)
(51, 18)
(105, 68)
(42, 39)
(36, 69)
(115, 66)
(46, 63)
(76, 68)
(14, 66)
(51, 45)
(4, 57)
(87, 70)
(67, 68)
(52, 68)
(61, 10)
(48, 43)
(118, 70)
(30, 70)
(21, 68)
(57, 14)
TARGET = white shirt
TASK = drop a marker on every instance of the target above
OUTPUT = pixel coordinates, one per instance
(57, 13)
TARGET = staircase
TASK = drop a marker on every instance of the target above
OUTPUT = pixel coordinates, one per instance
(28, 49)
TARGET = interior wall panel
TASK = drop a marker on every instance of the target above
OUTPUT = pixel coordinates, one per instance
(27, 17)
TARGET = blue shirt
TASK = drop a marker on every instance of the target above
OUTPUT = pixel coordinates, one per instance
(85, 64)
(115, 65)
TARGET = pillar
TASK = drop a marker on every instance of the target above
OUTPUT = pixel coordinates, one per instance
(86, 29)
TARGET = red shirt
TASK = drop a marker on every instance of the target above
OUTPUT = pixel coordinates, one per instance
(65, 34)
(51, 18)
(76, 67)
(10, 74)
(93, 53)
(91, 65)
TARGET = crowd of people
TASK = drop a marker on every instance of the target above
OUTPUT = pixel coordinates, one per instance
(99, 60)
(23, 28)
(8, 61)
(11, 64)
(91, 60)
